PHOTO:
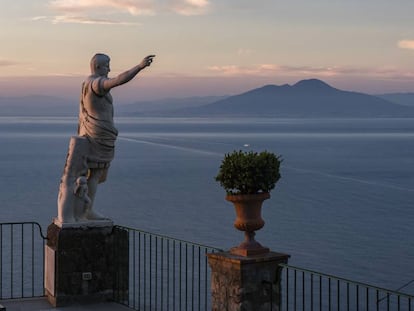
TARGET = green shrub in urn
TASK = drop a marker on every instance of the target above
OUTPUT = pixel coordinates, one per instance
(249, 172)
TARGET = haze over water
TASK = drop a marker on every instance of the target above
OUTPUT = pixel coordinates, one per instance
(343, 205)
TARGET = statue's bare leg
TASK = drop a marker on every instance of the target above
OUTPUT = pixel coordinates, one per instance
(93, 180)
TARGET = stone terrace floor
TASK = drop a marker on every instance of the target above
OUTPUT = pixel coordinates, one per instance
(41, 304)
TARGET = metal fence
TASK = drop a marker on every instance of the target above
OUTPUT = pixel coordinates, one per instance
(21, 260)
(169, 274)
(166, 273)
(309, 290)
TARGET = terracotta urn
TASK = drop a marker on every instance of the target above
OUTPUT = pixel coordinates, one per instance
(249, 219)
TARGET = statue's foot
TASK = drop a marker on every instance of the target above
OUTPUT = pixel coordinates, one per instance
(62, 220)
(92, 215)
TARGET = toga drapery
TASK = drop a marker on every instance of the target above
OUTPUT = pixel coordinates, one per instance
(96, 122)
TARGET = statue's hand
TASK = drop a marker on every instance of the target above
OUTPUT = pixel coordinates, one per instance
(147, 61)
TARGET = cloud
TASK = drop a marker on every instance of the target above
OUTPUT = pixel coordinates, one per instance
(232, 70)
(38, 18)
(406, 44)
(78, 19)
(7, 63)
(133, 7)
(87, 20)
(101, 12)
(309, 70)
(188, 7)
(272, 70)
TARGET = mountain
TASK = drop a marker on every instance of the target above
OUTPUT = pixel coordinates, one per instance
(37, 105)
(164, 105)
(406, 99)
(306, 98)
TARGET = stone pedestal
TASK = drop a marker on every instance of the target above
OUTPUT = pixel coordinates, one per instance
(241, 283)
(86, 264)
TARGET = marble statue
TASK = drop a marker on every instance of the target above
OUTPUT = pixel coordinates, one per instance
(91, 152)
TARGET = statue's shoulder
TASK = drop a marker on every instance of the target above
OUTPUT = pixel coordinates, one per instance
(88, 82)
(93, 79)
(95, 84)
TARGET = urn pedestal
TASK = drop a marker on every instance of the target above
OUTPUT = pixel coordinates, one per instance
(249, 219)
(240, 283)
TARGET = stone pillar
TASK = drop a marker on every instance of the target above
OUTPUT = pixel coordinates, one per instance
(86, 264)
(250, 283)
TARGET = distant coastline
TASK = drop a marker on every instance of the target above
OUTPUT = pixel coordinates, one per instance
(310, 98)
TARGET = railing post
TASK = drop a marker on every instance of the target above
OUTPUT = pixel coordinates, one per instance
(248, 283)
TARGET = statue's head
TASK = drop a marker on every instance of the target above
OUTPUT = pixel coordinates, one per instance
(100, 64)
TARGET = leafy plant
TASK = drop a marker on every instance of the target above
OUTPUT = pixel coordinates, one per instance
(249, 172)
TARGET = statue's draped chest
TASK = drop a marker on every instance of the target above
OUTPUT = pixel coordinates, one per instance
(98, 106)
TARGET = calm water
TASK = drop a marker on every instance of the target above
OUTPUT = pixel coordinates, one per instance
(344, 204)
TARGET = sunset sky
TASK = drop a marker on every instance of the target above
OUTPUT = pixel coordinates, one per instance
(207, 47)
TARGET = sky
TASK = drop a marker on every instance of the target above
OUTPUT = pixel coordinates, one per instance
(206, 47)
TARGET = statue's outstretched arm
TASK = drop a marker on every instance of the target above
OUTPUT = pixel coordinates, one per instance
(127, 75)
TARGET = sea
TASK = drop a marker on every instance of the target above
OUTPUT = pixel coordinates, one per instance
(343, 206)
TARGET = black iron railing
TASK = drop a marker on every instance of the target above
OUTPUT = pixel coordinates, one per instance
(169, 274)
(21, 260)
(166, 273)
(304, 289)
